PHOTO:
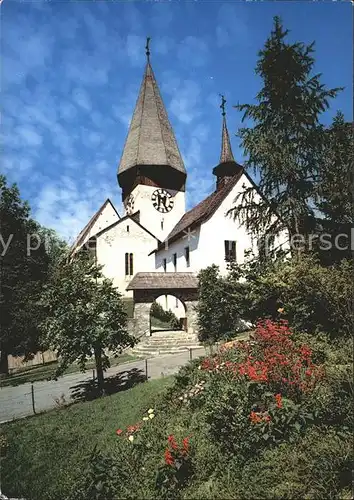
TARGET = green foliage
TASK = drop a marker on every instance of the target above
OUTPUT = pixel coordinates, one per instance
(314, 298)
(84, 315)
(158, 312)
(59, 465)
(285, 142)
(299, 456)
(317, 466)
(23, 272)
(220, 303)
(334, 189)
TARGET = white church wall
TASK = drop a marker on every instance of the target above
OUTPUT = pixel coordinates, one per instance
(113, 244)
(206, 243)
(159, 224)
(107, 217)
(190, 240)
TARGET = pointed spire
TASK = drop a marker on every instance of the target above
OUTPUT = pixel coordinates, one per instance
(227, 167)
(150, 140)
(226, 151)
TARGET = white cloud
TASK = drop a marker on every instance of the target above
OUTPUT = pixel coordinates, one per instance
(30, 51)
(184, 103)
(135, 50)
(232, 26)
(67, 110)
(29, 135)
(192, 51)
(67, 205)
(82, 99)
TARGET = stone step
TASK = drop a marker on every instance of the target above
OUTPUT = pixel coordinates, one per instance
(151, 353)
(166, 347)
(170, 341)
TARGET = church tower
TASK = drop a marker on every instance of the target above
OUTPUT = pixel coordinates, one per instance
(151, 172)
(227, 166)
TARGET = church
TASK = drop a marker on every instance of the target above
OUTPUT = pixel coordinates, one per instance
(156, 234)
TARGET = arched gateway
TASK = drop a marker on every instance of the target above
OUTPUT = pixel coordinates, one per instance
(147, 287)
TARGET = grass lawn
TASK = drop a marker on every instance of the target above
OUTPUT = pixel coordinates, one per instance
(43, 372)
(46, 453)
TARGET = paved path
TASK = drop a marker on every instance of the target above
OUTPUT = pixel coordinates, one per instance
(16, 402)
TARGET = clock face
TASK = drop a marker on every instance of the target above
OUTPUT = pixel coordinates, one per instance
(129, 204)
(162, 200)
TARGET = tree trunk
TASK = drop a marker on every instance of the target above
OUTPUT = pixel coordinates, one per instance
(4, 362)
(99, 369)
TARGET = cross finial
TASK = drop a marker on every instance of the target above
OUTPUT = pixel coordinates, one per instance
(222, 105)
(147, 47)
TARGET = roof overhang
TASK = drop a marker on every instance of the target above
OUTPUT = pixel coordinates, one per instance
(163, 281)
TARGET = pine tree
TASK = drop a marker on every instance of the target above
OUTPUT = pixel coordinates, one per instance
(335, 191)
(285, 143)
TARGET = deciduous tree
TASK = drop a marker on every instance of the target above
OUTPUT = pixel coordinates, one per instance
(84, 315)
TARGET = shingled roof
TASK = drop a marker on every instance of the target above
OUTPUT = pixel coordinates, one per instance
(203, 211)
(226, 150)
(150, 139)
(164, 281)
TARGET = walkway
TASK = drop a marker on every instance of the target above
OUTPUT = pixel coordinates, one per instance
(16, 402)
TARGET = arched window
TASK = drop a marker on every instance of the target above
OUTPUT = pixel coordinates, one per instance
(129, 270)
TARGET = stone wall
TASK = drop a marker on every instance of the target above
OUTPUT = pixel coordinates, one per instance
(142, 305)
(192, 316)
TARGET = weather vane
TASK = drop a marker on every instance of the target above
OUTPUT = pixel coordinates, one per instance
(147, 47)
(222, 105)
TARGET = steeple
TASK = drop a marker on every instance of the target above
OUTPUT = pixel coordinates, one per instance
(227, 165)
(151, 150)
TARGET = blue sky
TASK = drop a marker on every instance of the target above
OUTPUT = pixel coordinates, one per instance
(71, 72)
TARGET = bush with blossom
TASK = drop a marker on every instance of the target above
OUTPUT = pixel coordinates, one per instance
(258, 388)
(177, 468)
(249, 401)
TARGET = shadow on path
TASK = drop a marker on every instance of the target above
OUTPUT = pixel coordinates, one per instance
(88, 391)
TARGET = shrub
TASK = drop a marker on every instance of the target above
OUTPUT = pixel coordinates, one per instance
(318, 466)
(219, 303)
(264, 419)
(158, 312)
(313, 298)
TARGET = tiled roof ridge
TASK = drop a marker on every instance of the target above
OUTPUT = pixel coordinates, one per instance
(211, 202)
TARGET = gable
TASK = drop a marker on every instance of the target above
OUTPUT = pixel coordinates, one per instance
(133, 222)
(105, 216)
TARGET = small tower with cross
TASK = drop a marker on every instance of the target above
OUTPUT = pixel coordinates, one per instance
(227, 166)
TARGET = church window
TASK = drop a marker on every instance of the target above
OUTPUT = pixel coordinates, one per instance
(161, 223)
(174, 259)
(127, 229)
(230, 250)
(187, 256)
(164, 263)
(129, 264)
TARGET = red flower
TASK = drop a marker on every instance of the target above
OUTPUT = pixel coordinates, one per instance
(185, 443)
(255, 418)
(279, 400)
(169, 458)
(172, 442)
(119, 432)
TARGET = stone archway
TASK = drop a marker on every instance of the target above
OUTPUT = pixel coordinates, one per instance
(147, 287)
